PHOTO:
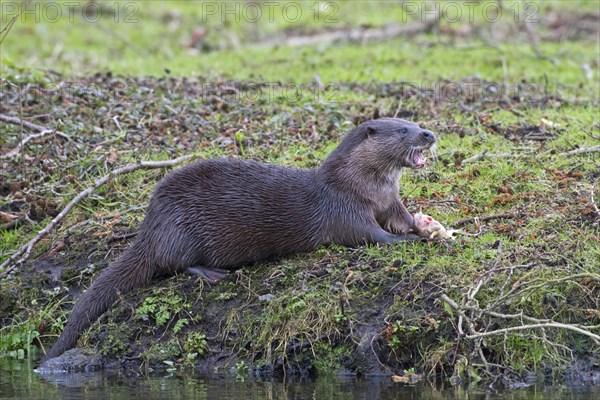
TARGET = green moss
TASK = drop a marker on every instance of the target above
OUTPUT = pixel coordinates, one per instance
(163, 353)
(162, 308)
(116, 339)
(8, 301)
(328, 358)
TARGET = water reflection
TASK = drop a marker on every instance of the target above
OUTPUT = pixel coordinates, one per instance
(19, 381)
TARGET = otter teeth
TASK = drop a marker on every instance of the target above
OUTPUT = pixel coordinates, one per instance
(418, 160)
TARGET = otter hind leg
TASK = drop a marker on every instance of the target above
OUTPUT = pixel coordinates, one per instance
(210, 274)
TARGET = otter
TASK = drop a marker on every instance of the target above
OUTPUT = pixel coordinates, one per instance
(212, 216)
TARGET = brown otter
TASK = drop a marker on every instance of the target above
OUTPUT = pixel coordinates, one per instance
(222, 213)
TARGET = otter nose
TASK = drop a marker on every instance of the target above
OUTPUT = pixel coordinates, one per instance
(428, 135)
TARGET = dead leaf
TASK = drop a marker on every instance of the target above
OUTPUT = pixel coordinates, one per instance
(592, 312)
(432, 322)
(545, 123)
(197, 37)
(112, 157)
(400, 379)
(59, 246)
(407, 378)
(7, 217)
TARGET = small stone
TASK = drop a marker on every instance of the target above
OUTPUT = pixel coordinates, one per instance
(266, 297)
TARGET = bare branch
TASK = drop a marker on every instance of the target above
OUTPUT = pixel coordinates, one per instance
(25, 251)
(593, 202)
(466, 221)
(502, 331)
(42, 132)
(474, 158)
(582, 150)
(30, 125)
(539, 325)
(484, 154)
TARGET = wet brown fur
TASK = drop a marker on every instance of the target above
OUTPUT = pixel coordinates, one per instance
(223, 213)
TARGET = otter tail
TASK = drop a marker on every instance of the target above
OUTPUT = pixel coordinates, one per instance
(128, 272)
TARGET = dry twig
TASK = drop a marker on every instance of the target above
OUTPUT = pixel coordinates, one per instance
(466, 221)
(541, 323)
(593, 202)
(353, 35)
(42, 132)
(6, 30)
(25, 250)
(583, 150)
(484, 154)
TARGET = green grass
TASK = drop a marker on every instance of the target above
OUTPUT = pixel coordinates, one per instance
(76, 47)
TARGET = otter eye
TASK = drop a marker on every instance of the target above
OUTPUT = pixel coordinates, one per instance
(404, 131)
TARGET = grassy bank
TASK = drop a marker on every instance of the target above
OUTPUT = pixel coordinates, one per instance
(512, 298)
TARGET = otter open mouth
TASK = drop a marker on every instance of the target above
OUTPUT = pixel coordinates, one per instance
(414, 157)
(419, 159)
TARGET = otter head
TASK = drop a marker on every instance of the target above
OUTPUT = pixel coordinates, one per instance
(401, 143)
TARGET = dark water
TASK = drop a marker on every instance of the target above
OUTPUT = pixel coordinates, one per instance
(19, 381)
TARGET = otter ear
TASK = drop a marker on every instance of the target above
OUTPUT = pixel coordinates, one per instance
(371, 131)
